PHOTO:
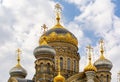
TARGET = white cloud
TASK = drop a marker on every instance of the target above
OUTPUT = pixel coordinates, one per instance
(20, 26)
(98, 16)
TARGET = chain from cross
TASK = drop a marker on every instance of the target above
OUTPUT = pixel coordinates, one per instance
(44, 27)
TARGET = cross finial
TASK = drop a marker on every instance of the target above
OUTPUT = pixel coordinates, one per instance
(18, 55)
(102, 49)
(89, 52)
(44, 27)
(58, 10)
(101, 46)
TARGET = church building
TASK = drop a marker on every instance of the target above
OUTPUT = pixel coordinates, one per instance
(57, 59)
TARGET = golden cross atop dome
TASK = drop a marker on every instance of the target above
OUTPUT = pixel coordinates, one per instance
(18, 55)
(101, 46)
(58, 10)
(89, 52)
(102, 49)
(44, 27)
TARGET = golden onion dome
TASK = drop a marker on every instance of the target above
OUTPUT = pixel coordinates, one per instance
(18, 70)
(59, 78)
(90, 66)
(58, 32)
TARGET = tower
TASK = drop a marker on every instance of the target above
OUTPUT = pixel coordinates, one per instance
(44, 64)
(103, 66)
(90, 69)
(18, 71)
(65, 45)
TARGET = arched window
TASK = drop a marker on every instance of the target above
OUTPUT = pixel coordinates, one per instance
(101, 78)
(61, 63)
(48, 67)
(68, 63)
(74, 66)
(41, 67)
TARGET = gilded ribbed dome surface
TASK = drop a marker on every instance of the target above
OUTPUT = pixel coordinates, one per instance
(59, 33)
(18, 70)
(103, 63)
(90, 67)
(59, 78)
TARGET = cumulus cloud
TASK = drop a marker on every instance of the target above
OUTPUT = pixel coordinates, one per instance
(20, 26)
(98, 17)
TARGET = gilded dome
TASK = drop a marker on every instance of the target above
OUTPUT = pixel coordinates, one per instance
(59, 33)
(19, 71)
(90, 67)
(44, 49)
(59, 78)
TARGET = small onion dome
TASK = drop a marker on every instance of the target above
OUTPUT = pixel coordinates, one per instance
(18, 71)
(102, 62)
(90, 67)
(44, 49)
(59, 78)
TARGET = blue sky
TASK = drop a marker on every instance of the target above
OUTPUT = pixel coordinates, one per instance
(88, 20)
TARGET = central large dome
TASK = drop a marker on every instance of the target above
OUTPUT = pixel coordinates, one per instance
(59, 33)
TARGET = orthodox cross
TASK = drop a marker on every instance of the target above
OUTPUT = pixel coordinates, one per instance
(58, 10)
(101, 45)
(44, 27)
(89, 52)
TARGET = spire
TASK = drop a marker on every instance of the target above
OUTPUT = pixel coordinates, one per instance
(18, 56)
(89, 53)
(44, 41)
(59, 77)
(58, 12)
(90, 66)
(58, 67)
(102, 49)
(44, 27)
